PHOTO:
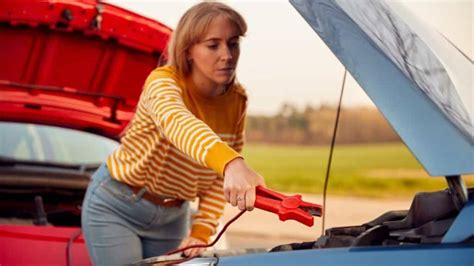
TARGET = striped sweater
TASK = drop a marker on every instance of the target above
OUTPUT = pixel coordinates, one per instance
(179, 142)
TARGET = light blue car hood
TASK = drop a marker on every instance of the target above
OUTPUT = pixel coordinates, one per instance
(416, 77)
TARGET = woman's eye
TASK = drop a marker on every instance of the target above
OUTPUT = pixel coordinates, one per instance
(212, 46)
(234, 45)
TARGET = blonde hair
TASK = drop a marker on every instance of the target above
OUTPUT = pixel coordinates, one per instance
(191, 29)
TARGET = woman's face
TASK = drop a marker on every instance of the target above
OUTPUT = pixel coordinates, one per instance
(214, 58)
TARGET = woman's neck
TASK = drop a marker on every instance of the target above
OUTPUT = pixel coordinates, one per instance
(207, 88)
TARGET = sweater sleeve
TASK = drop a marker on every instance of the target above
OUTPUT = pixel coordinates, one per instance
(164, 102)
(210, 209)
(212, 202)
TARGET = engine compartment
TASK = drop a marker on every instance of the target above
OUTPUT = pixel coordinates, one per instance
(426, 222)
(42, 198)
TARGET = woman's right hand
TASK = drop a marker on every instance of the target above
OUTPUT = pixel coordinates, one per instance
(239, 184)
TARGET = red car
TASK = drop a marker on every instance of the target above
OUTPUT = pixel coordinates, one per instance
(70, 76)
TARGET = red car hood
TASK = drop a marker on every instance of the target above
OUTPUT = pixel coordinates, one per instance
(75, 64)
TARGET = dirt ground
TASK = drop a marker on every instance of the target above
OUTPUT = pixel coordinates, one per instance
(261, 229)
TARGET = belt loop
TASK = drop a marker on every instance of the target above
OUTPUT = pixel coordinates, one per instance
(137, 196)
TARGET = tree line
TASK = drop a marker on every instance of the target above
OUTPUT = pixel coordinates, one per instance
(315, 125)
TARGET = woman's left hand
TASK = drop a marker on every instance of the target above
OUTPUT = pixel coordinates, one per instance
(190, 241)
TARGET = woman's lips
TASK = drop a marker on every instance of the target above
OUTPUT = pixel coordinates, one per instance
(226, 70)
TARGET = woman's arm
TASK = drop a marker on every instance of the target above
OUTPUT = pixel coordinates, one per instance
(163, 100)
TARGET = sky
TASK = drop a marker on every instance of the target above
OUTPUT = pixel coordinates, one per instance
(283, 61)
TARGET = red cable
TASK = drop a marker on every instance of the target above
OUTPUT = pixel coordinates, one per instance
(213, 242)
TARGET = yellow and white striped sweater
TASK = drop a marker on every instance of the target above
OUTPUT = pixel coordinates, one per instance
(179, 142)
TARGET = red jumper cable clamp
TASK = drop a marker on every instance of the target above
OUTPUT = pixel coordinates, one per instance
(287, 207)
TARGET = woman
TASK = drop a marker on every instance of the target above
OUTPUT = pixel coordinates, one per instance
(182, 144)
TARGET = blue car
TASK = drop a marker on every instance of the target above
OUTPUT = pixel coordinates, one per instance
(423, 85)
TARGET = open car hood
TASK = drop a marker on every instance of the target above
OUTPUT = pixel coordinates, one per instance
(416, 77)
(76, 64)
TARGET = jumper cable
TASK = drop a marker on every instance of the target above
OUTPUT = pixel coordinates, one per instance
(287, 208)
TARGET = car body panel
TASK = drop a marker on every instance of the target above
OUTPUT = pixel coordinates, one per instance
(429, 116)
(41, 245)
(459, 255)
(463, 227)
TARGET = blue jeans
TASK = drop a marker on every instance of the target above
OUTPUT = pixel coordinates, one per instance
(120, 227)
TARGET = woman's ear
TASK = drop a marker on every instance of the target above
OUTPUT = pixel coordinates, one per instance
(189, 59)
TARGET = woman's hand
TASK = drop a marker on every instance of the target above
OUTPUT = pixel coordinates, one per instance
(239, 184)
(190, 241)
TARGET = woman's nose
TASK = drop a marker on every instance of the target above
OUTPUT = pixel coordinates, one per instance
(226, 54)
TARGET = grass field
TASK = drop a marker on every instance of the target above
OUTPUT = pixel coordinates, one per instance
(375, 170)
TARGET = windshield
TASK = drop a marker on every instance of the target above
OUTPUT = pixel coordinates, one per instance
(53, 144)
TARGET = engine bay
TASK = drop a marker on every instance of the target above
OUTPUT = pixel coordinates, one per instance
(426, 222)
